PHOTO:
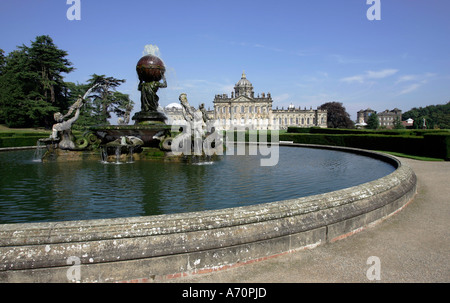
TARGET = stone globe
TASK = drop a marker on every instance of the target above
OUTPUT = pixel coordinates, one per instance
(150, 68)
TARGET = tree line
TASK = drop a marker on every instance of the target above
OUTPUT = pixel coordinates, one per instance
(435, 116)
(32, 88)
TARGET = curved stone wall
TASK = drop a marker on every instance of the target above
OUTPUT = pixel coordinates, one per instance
(155, 247)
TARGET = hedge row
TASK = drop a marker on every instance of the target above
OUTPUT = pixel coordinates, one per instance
(429, 145)
(20, 141)
(9, 135)
(388, 132)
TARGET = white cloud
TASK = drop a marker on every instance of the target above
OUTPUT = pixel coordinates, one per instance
(381, 74)
(410, 88)
(281, 98)
(370, 75)
(417, 82)
(357, 78)
(406, 78)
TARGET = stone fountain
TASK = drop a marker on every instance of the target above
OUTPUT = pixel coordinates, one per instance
(149, 138)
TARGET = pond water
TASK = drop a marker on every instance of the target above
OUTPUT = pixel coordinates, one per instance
(38, 192)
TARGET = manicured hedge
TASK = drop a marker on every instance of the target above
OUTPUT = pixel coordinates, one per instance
(438, 145)
(20, 139)
(388, 132)
(420, 142)
(431, 145)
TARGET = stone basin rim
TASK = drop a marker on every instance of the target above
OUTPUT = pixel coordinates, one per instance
(128, 227)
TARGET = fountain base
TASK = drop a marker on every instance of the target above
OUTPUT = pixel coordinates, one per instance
(149, 118)
(145, 132)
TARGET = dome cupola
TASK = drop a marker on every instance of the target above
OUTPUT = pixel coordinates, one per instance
(244, 87)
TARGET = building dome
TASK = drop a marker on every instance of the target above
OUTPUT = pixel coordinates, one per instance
(173, 105)
(244, 82)
(244, 87)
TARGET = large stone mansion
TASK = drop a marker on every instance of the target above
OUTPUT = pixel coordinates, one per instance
(243, 109)
(386, 118)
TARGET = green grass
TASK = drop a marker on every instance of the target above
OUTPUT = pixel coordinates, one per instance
(20, 137)
(5, 129)
(402, 155)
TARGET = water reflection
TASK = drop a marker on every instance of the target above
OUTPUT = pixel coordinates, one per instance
(33, 191)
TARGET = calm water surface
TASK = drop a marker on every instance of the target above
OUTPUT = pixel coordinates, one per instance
(37, 192)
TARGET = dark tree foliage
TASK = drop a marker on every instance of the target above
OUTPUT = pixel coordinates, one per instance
(436, 116)
(373, 122)
(106, 99)
(32, 88)
(31, 84)
(2, 60)
(337, 116)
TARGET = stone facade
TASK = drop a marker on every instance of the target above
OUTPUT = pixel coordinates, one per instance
(387, 118)
(244, 109)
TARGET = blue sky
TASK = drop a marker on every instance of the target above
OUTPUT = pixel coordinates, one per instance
(302, 52)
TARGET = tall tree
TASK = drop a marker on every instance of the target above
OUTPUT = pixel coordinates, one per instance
(337, 116)
(31, 84)
(2, 65)
(373, 122)
(398, 123)
(49, 62)
(106, 99)
(22, 104)
(2, 60)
